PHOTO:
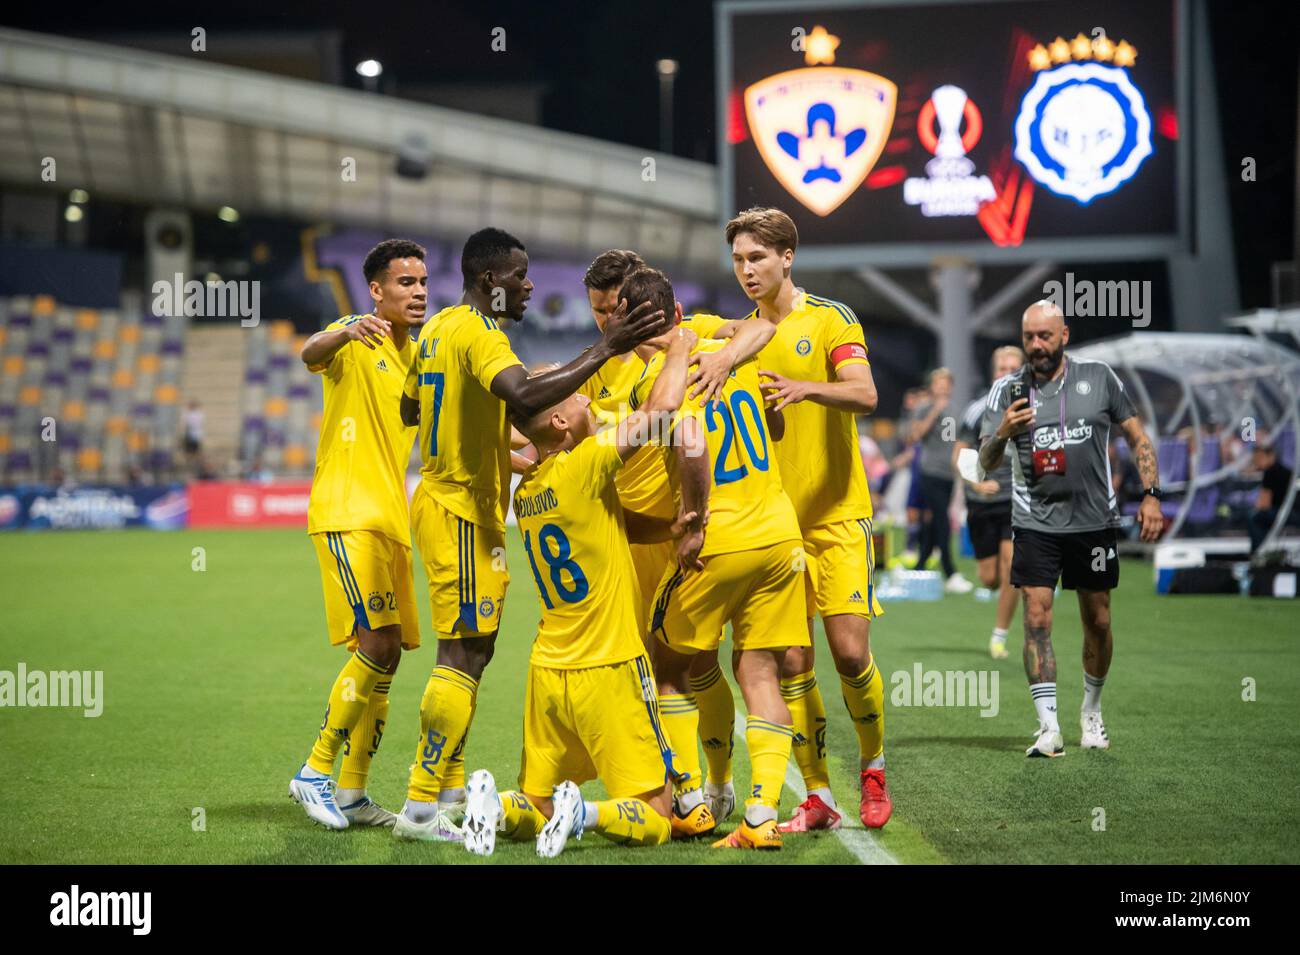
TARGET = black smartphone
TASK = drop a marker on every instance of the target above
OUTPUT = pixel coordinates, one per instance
(1017, 390)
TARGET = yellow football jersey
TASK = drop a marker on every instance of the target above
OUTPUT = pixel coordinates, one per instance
(360, 478)
(821, 463)
(572, 524)
(643, 484)
(748, 508)
(464, 437)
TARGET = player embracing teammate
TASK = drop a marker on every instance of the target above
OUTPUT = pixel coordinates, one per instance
(816, 373)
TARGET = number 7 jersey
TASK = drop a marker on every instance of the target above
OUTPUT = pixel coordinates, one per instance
(571, 522)
(748, 508)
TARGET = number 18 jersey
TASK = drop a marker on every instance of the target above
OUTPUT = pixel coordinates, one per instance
(572, 524)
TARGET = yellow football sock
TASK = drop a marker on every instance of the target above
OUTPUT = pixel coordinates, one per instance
(631, 822)
(445, 713)
(809, 715)
(717, 722)
(679, 715)
(364, 741)
(520, 819)
(864, 695)
(769, 751)
(454, 777)
(348, 700)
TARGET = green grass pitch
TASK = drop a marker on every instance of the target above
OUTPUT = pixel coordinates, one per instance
(214, 683)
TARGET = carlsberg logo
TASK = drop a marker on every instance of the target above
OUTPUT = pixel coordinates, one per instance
(1051, 437)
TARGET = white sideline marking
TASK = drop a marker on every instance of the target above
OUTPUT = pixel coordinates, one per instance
(861, 844)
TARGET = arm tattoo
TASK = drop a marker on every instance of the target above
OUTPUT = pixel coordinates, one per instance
(1145, 456)
(1040, 659)
(992, 451)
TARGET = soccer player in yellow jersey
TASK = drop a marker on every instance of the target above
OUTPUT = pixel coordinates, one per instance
(459, 387)
(590, 709)
(358, 522)
(745, 568)
(815, 370)
(648, 500)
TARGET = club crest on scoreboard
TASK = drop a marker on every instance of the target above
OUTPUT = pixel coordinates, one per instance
(820, 130)
(1083, 128)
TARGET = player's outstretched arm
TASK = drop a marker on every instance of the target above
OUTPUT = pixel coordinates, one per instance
(692, 454)
(322, 346)
(1150, 518)
(854, 390)
(746, 339)
(528, 394)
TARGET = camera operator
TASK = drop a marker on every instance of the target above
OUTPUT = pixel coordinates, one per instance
(1056, 414)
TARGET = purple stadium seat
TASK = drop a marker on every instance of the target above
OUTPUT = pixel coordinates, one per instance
(79, 365)
(280, 360)
(142, 410)
(1285, 444)
(35, 349)
(255, 376)
(160, 460)
(275, 439)
(149, 318)
(64, 335)
(56, 379)
(19, 460)
(70, 442)
(254, 423)
(19, 321)
(171, 347)
(98, 393)
(300, 390)
(1172, 458)
(7, 411)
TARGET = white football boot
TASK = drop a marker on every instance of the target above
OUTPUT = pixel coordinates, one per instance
(957, 584)
(366, 812)
(316, 795)
(1094, 731)
(439, 828)
(721, 799)
(482, 813)
(1047, 743)
(998, 648)
(565, 823)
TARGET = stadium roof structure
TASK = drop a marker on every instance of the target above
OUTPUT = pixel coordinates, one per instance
(1204, 382)
(151, 128)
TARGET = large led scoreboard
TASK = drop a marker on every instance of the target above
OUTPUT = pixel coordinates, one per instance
(898, 133)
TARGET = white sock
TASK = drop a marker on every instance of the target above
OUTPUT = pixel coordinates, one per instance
(824, 794)
(758, 813)
(449, 797)
(1044, 695)
(347, 797)
(589, 815)
(877, 762)
(308, 773)
(1092, 692)
(688, 801)
(999, 634)
(417, 811)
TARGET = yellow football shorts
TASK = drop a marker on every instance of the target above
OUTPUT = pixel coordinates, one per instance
(841, 569)
(594, 723)
(650, 562)
(466, 567)
(759, 592)
(367, 581)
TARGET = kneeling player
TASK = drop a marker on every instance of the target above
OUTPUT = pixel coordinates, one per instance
(590, 709)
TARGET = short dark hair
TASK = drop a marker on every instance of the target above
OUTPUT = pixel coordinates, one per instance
(484, 251)
(649, 285)
(609, 269)
(377, 259)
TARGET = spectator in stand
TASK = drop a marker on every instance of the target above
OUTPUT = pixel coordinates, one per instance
(192, 441)
(1275, 482)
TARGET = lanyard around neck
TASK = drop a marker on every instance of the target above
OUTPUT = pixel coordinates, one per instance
(1061, 394)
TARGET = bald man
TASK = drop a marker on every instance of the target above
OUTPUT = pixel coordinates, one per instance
(1057, 415)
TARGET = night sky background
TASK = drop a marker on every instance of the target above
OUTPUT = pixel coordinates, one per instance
(595, 63)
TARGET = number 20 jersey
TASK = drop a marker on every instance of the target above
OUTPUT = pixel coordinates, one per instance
(748, 508)
(576, 545)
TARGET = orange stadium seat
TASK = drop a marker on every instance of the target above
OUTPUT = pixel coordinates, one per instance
(281, 330)
(30, 395)
(123, 378)
(89, 459)
(43, 305)
(5, 443)
(276, 407)
(87, 319)
(295, 456)
(105, 348)
(166, 394)
(115, 425)
(147, 364)
(13, 364)
(74, 411)
(130, 334)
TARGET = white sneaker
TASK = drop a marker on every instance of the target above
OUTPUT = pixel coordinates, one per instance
(565, 823)
(1094, 731)
(957, 584)
(998, 648)
(1047, 743)
(366, 812)
(440, 828)
(720, 798)
(482, 813)
(316, 796)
